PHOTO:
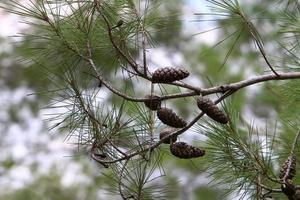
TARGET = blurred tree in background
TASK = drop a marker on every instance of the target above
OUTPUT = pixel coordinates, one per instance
(86, 68)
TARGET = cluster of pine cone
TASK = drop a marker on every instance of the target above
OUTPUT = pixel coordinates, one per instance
(287, 173)
(207, 106)
(170, 118)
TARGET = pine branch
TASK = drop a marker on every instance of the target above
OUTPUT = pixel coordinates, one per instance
(205, 91)
(127, 57)
(171, 135)
(231, 88)
(240, 153)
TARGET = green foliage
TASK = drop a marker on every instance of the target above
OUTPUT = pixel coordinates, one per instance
(238, 154)
(137, 179)
(204, 193)
(79, 45)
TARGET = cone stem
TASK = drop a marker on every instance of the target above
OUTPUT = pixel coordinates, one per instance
(295, 143)
(152, 114)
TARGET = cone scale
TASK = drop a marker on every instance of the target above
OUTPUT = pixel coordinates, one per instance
(289, 164)
(210, 109)
(184, 151)
(169, 75)
(170, 118)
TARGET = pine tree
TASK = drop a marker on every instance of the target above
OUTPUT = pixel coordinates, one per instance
(85, 47)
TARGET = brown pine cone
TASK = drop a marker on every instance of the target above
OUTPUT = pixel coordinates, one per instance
(168, 75)
(168, 117)
(153, 102)
(209, 108)
(290, 164)
(167, 132)
(185, 151)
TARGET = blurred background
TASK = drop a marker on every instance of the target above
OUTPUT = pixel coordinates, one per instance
(37, 163)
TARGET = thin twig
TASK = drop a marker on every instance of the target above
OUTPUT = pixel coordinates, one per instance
(266, 60)
(120, 180)
(94, 157)
(152, 115)
(128, 58)
(254, 33)
(295, 143)
(144, 53)
(277, 190)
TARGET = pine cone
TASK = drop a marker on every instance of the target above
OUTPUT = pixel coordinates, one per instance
(168, 75)
(185, 151)
(153, 102)
(290, 164)
(168, 117)
(209, 108)
(167, 132)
